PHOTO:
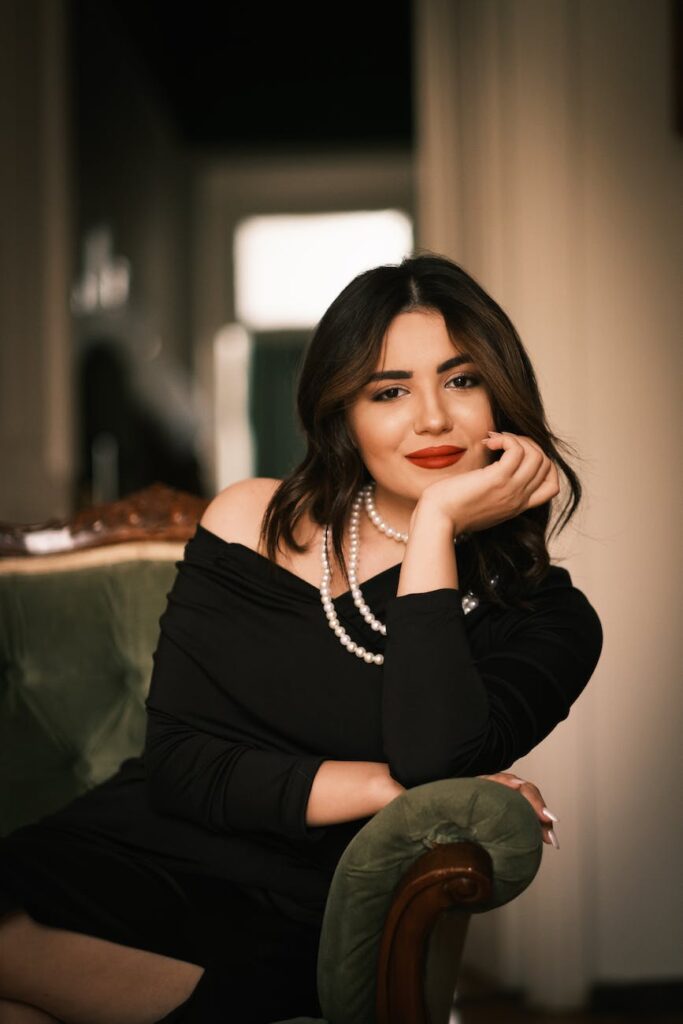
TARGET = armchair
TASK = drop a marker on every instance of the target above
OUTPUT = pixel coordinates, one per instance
(79, 610)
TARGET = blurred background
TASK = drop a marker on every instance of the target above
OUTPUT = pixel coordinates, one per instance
(183, 190)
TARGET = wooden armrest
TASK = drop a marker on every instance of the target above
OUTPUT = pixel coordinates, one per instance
(453, 876)
(403, 892)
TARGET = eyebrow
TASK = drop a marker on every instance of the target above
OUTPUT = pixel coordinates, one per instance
(407, 374)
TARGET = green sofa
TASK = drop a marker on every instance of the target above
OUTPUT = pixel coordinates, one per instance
(77, 632)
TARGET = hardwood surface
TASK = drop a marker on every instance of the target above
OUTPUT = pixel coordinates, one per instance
(478, 1003)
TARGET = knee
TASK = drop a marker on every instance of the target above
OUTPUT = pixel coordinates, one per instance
(20, 1013)
(12, 927)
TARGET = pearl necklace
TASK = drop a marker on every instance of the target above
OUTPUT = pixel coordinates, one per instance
(364, 496)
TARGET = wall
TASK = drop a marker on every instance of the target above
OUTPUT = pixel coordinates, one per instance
(227, 190)
(36, 452)
(85, 140)
(549, 166)
(132, 172)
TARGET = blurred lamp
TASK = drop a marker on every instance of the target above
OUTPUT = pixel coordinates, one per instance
(289, 268)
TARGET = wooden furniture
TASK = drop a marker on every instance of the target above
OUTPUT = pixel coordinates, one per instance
(79, 609)
(158, 513)
(440, 890)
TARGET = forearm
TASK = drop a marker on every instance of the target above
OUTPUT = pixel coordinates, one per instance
(429, 562)
(224, 785)
(346, 790)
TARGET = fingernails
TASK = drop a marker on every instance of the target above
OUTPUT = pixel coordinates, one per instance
(549, 814)
(553, 839)
(492, 433)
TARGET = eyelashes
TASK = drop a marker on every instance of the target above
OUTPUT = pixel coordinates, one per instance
(471, 378)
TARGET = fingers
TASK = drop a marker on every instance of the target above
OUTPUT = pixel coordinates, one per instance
(532, 793)
(530, 471)
(521, 456)
(544, 484)
(545, 816)
(547, 488)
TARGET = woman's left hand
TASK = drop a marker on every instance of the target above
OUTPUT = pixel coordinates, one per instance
(533, 794)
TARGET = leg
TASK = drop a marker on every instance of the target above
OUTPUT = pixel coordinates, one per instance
(79, 979)
(20, 1013)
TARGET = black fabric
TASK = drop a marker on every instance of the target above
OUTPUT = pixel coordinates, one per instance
(250, 692)
(240, 936)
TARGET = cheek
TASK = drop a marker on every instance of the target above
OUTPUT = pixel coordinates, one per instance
(377, 432)
(479, 416)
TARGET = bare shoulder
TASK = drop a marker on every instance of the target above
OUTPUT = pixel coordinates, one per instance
(235, 514)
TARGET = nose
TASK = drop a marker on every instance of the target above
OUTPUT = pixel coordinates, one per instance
(433, 416)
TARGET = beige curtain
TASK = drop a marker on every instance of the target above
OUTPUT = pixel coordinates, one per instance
(549, 166)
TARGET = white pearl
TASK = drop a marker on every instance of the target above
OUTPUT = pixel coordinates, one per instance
(364, 496)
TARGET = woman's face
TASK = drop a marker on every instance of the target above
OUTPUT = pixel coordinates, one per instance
(435, 406)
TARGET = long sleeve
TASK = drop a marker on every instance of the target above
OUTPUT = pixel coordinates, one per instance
(204, 759)
(448, 713)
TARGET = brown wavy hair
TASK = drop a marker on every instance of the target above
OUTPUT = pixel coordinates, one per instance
(342, 354)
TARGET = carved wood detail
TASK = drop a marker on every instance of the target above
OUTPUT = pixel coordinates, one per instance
(453, 876)
(155, 513)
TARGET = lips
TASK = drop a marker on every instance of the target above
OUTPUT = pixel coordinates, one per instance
(440, 451)
(438, 458)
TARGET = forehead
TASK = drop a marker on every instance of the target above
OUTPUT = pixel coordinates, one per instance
(417, 335)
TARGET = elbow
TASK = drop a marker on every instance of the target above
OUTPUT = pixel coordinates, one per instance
(423, 748)
(415, 771)
(418, 766)
(406, 777)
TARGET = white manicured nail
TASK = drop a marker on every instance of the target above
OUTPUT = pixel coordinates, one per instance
(549, 814)
(553, 839)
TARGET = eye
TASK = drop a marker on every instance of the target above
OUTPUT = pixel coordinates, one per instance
(464, 381)
(386, 395)
(461, 383)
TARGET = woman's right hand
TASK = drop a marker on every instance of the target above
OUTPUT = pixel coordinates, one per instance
(522, 478)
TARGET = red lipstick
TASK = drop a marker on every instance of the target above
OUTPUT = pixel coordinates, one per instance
(442, 449)
(436, 458)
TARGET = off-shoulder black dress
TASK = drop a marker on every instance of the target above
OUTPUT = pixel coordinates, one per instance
(199, 849)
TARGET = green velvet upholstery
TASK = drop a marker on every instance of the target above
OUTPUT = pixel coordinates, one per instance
(494, 816)
(75, 662)
(76, 645)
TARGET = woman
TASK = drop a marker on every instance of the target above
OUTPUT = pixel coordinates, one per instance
(385, 616)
